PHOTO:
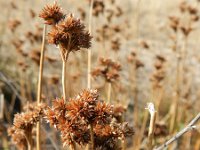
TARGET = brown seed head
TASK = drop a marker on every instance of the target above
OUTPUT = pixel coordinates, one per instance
(108, 69)
(52, 14)
(70, 35)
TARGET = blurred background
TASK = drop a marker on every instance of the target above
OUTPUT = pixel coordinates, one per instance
(156, 43)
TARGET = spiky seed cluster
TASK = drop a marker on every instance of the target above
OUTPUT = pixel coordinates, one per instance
(18, 138)
(108, 69)
(67, 32)
(133, 58)
(52, 14)
(118, 112)
(175, 22)
(70, 35)
(74, 117)
(13, 24)
(159, 73)
(98, 7)
(23, 123)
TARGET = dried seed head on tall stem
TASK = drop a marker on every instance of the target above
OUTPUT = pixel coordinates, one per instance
(52, 14)
(70, 35)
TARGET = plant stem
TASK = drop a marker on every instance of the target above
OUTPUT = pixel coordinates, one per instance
(28, 136)
(89, 51)
(174, 110)
(151, 130)
(140, 134)
(92, 136)
(39, 92)
(64, 79)
(109, 92)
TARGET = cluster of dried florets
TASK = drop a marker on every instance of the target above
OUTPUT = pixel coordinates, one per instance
(52, 14)
(98, 7)
(119, 110)
(192, 12)
(108, 69)
(13, 24)
(133, 59)
(75, 117)
(159, 74)
(67, 32)
(21, 131)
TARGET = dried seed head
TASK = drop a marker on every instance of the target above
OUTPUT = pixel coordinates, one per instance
(70, 35)
(174, 22)
(108, 69)
(23, 124)
(13, 24)
(115, 44)
(17, 137)
(74, 117)
(186, 30)
(98, 7)
(52, 14)
(144, 44)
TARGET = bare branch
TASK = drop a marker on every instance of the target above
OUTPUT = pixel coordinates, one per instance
(189, 127)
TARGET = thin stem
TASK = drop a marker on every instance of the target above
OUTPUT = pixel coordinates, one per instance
(174, 109)
(151, 130)
(109, 92)
(123, 144)
(139, 136)
(92, 136)
(64, 79)
(89, 51)
(39, 92)
(189, 127)
(28, 136)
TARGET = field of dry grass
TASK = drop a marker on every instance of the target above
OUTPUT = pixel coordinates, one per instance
(100, 74)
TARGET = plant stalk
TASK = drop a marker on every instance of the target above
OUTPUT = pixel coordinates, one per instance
(151, 130)
(92, 136)
(109, 92)
(39, 92)
(64, 79)
(89, 51)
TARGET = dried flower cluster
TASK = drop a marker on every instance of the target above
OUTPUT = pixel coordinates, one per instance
(67, 32)
(108, 69)
(74, 118)
(70, 35)
(176, 22)
(23, 124)
(159, 73)
(52, 14)
(98, 7)
(13, 24)
(133, 59)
